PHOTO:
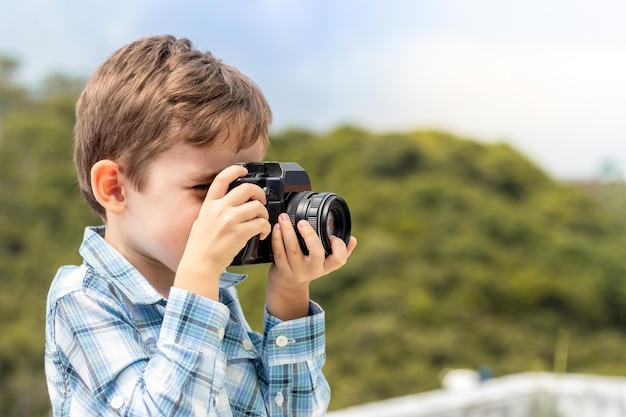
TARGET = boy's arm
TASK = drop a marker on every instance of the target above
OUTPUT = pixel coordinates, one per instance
(294, 354)
(287, 294)
(183, 373)
(294, 326)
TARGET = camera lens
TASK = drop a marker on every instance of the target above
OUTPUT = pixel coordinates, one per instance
(327, 213)
(330, 224)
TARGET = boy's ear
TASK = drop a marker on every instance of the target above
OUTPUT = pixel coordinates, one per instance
(107, 183)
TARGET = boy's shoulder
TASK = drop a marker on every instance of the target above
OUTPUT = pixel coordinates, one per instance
(83, 280)
(68, 279)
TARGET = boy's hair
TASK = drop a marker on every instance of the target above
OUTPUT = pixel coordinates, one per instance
(154, 93)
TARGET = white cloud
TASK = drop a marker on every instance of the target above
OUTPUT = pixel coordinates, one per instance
(557, 101)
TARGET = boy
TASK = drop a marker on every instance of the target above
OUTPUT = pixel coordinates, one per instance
(150, 324)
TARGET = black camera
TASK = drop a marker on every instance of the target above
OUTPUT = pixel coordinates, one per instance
(288, 190)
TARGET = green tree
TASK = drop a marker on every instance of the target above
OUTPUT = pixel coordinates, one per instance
(41, 216)
(468, 255)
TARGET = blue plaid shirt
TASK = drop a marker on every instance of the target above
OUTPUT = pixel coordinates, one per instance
(115, 346)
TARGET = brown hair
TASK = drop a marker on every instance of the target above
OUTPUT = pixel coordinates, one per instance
(156, 92)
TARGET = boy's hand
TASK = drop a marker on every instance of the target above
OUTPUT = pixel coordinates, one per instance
(226, 221)
(292, 271)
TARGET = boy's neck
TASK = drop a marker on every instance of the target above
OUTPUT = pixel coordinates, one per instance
(158, 275)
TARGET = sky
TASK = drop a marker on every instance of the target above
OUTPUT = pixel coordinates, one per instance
(546, 76)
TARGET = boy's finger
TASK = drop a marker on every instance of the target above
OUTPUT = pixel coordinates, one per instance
(219, 186)
(351, 245)
(278, 249)
(247, 192)
(311, 240)
(341, 253)
(338, 247)
(290, 238)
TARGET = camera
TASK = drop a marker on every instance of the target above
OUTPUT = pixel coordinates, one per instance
(288, 190)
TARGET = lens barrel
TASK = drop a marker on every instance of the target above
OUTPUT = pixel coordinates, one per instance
(327, 213)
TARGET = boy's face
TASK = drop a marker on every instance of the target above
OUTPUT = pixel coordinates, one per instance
(157, 221)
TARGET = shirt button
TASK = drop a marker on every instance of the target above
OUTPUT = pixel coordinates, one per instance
(247, 344)
(117, 403)
(220, 333)
(279, 399)
(282, 341)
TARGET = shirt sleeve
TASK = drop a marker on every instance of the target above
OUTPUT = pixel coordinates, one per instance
(294, 356)
(181, 376)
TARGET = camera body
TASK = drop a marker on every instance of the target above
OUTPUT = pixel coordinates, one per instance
(288, 190)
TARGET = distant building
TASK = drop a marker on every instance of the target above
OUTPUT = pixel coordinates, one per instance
(532, 394)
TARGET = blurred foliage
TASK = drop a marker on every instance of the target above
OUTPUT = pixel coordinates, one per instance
(41, 218)
(468, 254)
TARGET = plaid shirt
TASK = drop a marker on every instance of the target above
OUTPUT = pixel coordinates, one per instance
(115, 346)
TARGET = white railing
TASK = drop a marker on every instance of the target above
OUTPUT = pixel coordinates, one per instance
(520, 395)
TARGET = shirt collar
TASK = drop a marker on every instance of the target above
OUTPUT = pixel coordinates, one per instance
(107, 261)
